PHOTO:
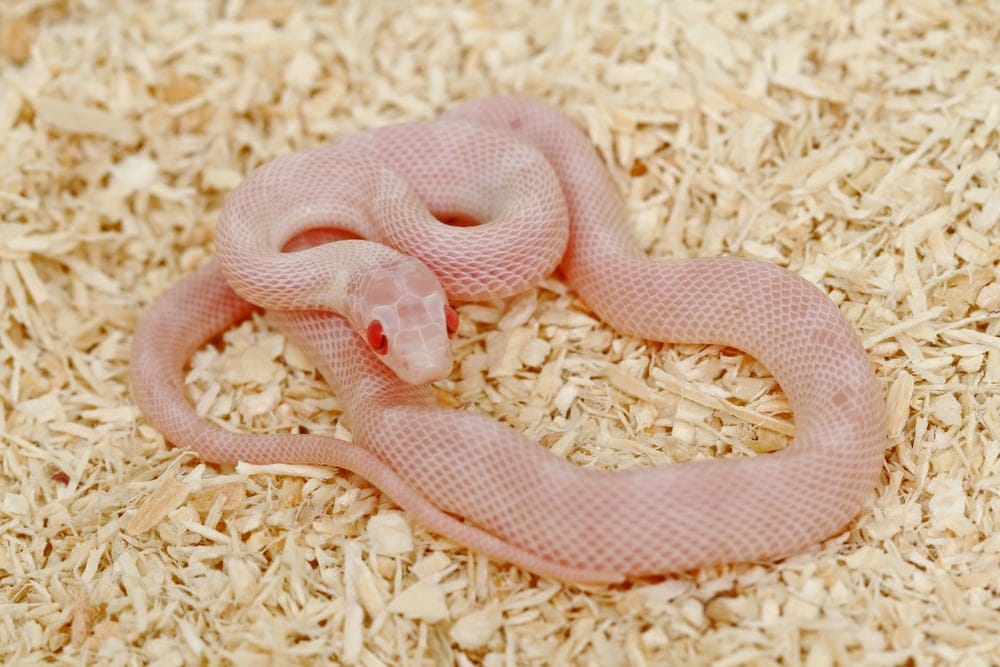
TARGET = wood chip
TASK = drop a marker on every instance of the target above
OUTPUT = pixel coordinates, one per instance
(423, 601)
(476, 628)
(389, 534)
(165, 499)
(76, 118)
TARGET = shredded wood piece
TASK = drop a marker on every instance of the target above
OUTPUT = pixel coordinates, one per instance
(856, 144)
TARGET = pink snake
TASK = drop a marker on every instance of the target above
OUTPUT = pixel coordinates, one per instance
(521, 165)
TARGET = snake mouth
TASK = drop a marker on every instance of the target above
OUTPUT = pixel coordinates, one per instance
(424, 370)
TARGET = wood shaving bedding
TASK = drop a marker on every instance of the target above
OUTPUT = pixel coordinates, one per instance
(856, 144)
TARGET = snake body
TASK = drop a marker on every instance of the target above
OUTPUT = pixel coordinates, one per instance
(530, 170)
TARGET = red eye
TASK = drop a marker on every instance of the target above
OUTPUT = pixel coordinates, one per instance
(450, 320)
(377, 338)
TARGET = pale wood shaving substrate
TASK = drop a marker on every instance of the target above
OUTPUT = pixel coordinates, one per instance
(854, 144)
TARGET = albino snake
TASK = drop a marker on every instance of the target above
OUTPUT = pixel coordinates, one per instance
(533, 173)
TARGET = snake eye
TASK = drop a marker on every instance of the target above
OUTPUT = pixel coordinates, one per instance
(377, 338)
(450, 320)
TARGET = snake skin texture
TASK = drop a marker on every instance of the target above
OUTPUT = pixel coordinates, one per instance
(465, 475)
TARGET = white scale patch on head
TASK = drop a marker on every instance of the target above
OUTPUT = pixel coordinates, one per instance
(410, 309)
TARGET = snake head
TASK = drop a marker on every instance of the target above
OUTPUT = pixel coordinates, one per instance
(405, 318)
